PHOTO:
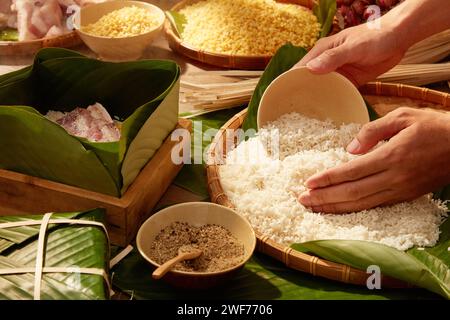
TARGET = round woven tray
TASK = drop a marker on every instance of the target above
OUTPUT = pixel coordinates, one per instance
(254, 62)
(11, 48)
(298, 260)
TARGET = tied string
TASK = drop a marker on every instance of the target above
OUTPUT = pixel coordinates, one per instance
(39, 268)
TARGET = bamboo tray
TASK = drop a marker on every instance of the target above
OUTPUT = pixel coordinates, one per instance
(246, 62)
(375, 92)
(20, 48)
(20, 194)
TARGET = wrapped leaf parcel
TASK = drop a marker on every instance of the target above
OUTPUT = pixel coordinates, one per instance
(54, 256)
(142, 95)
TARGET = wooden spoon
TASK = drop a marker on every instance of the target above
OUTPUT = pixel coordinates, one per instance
(184, 253)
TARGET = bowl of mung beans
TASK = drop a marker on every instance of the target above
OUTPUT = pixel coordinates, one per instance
(119, 30)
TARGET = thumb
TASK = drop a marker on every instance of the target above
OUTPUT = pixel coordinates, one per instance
(373, 132)
(329, 60)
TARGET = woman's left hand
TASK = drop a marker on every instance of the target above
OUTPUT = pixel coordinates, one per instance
(415, 161)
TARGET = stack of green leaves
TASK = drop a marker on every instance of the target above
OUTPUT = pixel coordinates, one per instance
(67, 246)
(143, 95)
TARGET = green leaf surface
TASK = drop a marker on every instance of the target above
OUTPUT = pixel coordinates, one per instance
(192, 177)
(283, 60)
(73, 246)
(373, 115)
(325, 11)
(61, 80)
(261, 278)
(428, 268)
(34, 145)
(9, 34)
(178, 21)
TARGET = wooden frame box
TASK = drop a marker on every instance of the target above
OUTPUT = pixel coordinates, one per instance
(22, 194)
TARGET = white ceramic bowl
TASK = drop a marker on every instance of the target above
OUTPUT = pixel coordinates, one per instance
(328, 96)
(116, 49)
(197, 214)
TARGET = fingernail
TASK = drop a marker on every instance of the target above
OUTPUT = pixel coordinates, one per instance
(314, 64)
(305, 198)
(353, 146)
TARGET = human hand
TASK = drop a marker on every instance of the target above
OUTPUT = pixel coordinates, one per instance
(358, 53)
(415, 161)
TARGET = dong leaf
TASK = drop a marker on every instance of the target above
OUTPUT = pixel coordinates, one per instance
(9, 34)
(428, 268)
(262, 278)
(178, 21)
(73, 246)
(325, 11)
(62, 80)
(33, 145)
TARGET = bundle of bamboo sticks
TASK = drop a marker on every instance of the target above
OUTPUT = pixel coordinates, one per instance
(215, 90)
(430, 50)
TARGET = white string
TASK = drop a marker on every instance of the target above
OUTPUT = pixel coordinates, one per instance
(122, 254)
(40, 256)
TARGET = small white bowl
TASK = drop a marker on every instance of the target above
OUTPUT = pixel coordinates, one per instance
(116, 49)
(329, 96)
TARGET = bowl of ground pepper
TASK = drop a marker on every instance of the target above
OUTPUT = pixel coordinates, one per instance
(226, 239)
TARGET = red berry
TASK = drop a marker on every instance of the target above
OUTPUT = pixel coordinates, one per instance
(359, 6)
(351, 19)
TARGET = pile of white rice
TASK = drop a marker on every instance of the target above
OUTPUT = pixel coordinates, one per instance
(264, 188)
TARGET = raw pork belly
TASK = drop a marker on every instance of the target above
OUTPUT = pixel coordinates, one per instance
(39, 18)
(7, 17)
(94, 123)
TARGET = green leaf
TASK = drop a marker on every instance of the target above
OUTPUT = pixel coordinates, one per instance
(9, 34)
(325, 11)
(192, 177)
(178, 21)
(62, 80)
(373, 115)
(283, 60)
(261, 278)
(66, 246)
(34, 145)
(428, 268)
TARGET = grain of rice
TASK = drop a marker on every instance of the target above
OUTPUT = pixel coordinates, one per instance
(265, 190)
(248, 27)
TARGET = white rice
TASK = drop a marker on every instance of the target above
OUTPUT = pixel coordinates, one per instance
(265, 188)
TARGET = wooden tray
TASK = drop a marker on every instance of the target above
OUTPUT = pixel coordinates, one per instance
(298, 260)
(10, 48)
(256, 62)
(23, 194)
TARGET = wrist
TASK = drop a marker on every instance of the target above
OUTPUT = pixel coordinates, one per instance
(398, 26)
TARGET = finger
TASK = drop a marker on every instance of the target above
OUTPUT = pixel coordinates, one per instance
(356, 169)
(373, 132)
(330, 60)
(355, 206)
(348, 191)
(321, 45)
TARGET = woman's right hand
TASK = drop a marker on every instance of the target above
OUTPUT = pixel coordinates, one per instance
(359, 53)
